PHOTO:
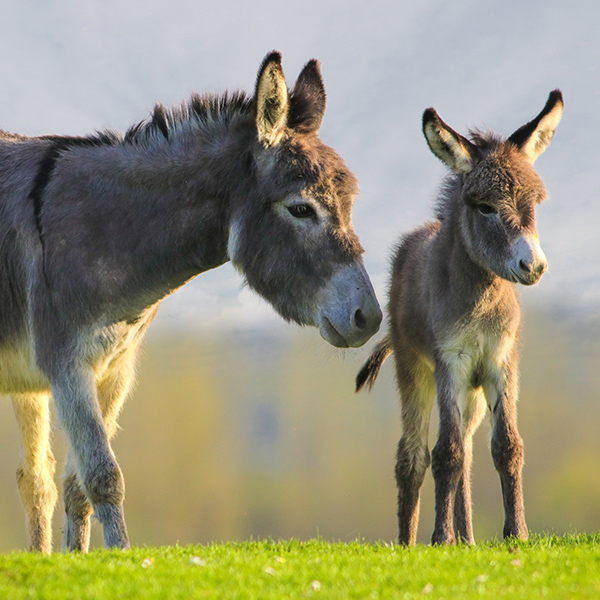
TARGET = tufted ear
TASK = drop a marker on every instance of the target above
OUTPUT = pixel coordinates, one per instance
(534, 137)
(307, 101)
(271, 101)
(454, 150)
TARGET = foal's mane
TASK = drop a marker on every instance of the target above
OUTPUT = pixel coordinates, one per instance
(485, 141)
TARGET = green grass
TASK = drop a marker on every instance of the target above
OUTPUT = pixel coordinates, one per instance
(544, 567)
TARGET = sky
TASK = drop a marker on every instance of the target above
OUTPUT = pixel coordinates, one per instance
(71, 67)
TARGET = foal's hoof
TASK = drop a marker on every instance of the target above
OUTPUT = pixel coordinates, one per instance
(516, 533)
(443, 539)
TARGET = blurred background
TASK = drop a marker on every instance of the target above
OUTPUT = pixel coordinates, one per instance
(244, 426)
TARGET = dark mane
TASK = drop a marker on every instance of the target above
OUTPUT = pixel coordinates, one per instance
(200, 110)
(486, 140)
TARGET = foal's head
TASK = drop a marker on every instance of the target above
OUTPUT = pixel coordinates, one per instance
(291, 234)
(499, 190)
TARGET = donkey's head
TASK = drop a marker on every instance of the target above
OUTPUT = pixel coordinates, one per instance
(499, 190)
(291, 232)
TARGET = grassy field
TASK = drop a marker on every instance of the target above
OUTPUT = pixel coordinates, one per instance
(544, 567)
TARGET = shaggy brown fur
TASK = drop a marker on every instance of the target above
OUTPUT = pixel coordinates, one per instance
(455, 319)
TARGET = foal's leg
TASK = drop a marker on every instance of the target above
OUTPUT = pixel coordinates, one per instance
(75, 397)
(473, 412)
(417, 395)
(112, 391)
(35, 475)
(507, 449)
(448, 455)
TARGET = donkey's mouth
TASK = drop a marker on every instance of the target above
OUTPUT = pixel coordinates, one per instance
(524, 279)
(331, 334)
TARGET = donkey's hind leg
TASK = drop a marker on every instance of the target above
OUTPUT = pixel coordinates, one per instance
(417, 395)
(35, 474)
(78, 511)
(473, 413)
(112, 391)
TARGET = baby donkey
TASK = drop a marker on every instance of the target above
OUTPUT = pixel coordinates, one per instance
(455, 320)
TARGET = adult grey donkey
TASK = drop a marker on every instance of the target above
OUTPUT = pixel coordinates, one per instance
(455, 320)
(96, 231)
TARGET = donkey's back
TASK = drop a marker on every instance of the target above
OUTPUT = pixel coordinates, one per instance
(411, 290)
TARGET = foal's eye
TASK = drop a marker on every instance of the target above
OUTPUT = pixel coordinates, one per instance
(487, 209)
(301, 211)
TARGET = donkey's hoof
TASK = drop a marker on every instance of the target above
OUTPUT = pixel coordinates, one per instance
(443, 539)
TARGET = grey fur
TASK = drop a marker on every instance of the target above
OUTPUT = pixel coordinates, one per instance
(455, 320)
(95, 232)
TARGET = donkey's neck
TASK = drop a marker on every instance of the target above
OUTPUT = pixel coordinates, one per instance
(180, 197)
(469, 286)
(151, 215)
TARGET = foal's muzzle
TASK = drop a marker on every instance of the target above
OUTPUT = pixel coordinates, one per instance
(528, 262)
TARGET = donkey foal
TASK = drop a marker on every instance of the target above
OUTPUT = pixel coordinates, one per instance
(455, 320)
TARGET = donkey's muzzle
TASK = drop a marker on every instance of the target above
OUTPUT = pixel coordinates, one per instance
(532, 272)
(529, 261)
(349, 313)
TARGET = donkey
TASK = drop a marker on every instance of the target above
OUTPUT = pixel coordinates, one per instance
(96, 231)
(455, 320)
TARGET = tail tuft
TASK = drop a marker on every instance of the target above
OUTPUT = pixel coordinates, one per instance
(370, 370)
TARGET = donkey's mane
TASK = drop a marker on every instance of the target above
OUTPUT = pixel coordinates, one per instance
(200, 111)
(485, 141)
(11, 137)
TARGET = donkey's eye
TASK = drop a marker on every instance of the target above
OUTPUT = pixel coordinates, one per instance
(301, 211)
(487, 209)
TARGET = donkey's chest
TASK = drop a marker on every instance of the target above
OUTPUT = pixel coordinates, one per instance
(475, 350)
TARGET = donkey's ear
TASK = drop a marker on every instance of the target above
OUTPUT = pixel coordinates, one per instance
(271, 101)
(534, 137)
(307, 101)
(454, 150)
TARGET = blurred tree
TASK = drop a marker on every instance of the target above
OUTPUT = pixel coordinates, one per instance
(260, 434)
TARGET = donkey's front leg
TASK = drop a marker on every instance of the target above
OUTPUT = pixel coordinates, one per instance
(74, 391)
(473, 412)
(447, 457)
(112, 390)
(507, 450)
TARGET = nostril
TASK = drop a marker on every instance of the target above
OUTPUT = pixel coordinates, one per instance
(359, 319)
(524, 266)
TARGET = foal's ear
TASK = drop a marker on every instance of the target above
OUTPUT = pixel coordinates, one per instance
(534, 137)
(307, 100)
(271, 100)
(454, 150)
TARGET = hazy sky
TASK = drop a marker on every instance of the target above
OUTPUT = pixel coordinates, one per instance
(72, 67)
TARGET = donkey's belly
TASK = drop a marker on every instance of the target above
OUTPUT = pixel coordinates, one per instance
(18, 372)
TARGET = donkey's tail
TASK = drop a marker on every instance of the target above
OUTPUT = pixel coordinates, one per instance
(370, 370)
